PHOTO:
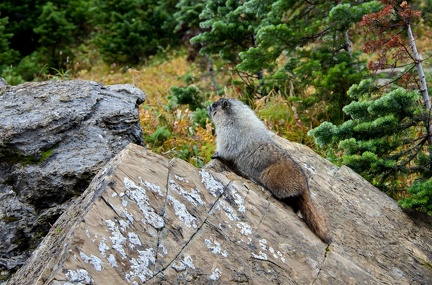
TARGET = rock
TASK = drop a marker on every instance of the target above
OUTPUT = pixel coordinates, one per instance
(2, 82)
(54, 137)
(145, 219)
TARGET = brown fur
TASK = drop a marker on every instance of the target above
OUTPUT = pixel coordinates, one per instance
(244, 143)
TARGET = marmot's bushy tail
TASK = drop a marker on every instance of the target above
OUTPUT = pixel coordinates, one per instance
(314, 221)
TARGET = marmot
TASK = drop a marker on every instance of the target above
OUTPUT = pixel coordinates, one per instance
(244, 143)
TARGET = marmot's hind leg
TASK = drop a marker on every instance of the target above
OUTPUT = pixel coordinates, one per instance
(293, 202)
(284, 179)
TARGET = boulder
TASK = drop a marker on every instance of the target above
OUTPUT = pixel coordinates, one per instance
(149, 220)
(54, 137)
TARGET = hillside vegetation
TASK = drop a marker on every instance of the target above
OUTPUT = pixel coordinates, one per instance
(347, 79)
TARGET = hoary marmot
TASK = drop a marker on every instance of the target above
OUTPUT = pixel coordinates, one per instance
(244, 143)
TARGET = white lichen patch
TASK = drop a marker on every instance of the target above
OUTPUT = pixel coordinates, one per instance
(124, 224)
(272, 251)
(261, 255)
(239, 200)
(112, 260)
(163, 249)
(311, 169)
(245, 229)
(276, 255)
(215, 187)
(140, 267)
(103, 247)
(138, 194)
(182, 264)
(117, 238)
(215, 247)
(189, 262)
(179, 178)
(263, 244)
(152, 187)
(93, 260)
(133, 240)
(193, 196)
(80, 276)
(215, 274)
(128, 216)
(182, 212)
(229, 211)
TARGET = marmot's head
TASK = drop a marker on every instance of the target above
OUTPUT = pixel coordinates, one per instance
(218, 107)
(232, 112)
(224, 110)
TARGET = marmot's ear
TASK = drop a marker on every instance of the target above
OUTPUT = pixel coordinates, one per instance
(224, 104)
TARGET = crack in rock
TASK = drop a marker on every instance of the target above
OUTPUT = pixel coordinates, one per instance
(198, 229)
(327, 250)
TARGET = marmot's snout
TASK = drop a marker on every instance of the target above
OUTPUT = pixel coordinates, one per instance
(210, 109)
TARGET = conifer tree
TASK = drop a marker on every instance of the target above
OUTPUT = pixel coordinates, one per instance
(386, 137)
(187, 23)
(292, 47)
(53, 29)
(41, 30)
(7, 55)
(128, 31)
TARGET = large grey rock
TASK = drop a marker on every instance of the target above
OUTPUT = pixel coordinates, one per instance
(145, 219)
(54, 137)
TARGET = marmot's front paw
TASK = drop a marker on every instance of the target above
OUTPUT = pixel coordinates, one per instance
(215, 155)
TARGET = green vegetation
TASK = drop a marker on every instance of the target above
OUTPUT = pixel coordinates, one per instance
(306, 67)
(14, 157)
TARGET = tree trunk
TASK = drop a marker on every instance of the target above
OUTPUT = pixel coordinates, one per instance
(423, 85)
(348, 44)
(212, 74)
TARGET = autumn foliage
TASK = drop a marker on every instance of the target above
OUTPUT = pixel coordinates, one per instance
(385, 32)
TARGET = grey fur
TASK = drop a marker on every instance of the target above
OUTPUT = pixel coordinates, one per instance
(243, 141)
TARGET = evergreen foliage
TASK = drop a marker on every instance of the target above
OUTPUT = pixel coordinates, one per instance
(187, 25)
(7, 55)
(420, 197)
(43, 34)
(383, 140)
(291, 47)
(187, 14)
(189, 95)
(230, 30)
(128, 31)
(55, 33)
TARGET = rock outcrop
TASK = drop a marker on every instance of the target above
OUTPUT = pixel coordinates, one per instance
(145, 219)
(54, 137)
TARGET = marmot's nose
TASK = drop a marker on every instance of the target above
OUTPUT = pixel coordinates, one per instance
(209, 109)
